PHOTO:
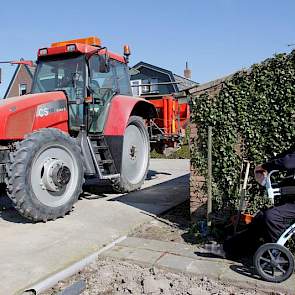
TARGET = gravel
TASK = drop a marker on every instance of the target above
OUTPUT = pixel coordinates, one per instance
(110, 276)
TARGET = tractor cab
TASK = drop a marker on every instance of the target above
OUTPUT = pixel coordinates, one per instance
(85, 72)
(79, 123)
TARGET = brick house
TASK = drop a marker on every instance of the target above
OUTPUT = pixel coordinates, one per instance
(21, 81)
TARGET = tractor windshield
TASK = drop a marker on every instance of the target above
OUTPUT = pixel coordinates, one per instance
(66, 74)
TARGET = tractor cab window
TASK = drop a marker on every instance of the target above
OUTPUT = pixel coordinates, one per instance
(123, 78)
(103, 86)
(101, 83)
(67, 74)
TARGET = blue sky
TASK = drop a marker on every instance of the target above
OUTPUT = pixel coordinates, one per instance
(216, 37)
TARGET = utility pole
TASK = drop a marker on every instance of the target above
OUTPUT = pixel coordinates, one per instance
(209, 192)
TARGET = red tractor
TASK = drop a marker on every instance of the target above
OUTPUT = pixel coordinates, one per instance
(79, 122)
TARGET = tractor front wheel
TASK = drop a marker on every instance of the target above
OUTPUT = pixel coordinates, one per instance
(46, 175)
(135, 156)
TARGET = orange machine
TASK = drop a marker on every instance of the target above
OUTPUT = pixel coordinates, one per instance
(168, 129)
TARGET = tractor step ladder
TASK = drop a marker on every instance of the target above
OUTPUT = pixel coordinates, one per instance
(103, 157)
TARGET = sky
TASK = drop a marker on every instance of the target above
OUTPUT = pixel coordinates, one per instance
(216, 37)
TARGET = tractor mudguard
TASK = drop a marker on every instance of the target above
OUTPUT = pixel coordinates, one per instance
(23, 114)
(121, 108)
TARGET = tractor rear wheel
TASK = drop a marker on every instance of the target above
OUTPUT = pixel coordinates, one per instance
(46, 175)
(135, 155)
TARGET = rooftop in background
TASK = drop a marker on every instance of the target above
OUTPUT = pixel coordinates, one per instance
(147, 80)
(152, 80)
(21, 81)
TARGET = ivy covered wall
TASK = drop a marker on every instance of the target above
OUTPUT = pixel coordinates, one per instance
(253, 118)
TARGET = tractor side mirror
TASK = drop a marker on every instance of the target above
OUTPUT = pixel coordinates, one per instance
(104, 63)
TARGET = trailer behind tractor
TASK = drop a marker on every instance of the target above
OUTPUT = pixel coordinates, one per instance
(80, 121)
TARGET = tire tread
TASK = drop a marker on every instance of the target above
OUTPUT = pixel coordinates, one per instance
(16, 188)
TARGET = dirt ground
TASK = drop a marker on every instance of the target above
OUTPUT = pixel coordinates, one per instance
(173, 226)
(108, 276)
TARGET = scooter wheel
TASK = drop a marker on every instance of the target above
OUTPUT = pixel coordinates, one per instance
(274, 262)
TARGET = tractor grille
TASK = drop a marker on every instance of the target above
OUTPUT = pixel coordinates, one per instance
(4, 160)
(2, 173)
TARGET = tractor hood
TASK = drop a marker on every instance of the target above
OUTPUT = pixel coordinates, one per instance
(23, 114)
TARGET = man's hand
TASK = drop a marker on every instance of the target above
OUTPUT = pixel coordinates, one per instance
(260, 174)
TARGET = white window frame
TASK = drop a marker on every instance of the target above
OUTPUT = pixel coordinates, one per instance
(20, 88)
(136, 91)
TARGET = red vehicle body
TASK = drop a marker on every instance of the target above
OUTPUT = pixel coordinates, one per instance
(80, 122)
(17, 110)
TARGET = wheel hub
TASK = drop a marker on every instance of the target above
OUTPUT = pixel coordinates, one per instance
(55, 176)
(133, 152)
(273, 263)
(61, 175)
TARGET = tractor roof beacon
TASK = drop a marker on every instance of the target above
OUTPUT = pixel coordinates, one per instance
(79, 122)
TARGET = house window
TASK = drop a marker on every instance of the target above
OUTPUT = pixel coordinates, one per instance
(154, 86)
(145, 88)
(135, 87)
(22, 89)
(141, 87)
(150, 86)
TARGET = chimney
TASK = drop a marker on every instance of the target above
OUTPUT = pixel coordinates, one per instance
(187, 72)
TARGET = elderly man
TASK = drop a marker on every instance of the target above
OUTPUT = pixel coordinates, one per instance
(278, 218)
(270, 224)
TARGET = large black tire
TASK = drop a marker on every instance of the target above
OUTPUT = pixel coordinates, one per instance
(274, 262)
(46, 175)
(135, 155)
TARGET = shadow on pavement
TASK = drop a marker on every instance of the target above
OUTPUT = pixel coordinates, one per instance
(152, 173)
(5, 202)
(158, 198)
(154, 199)
(245, 270)
(206, 255)
(169, 204)
(8, 213)
(12, 215)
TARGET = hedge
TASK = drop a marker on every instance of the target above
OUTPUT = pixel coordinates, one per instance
(252, 117)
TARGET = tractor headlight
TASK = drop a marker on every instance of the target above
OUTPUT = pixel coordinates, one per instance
(43, 51)
(71, 48)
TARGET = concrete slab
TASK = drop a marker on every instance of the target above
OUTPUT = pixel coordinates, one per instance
(141, 256)
(32, 252)
(154, 245)
(199, 268)
(186, 259)
(184, 250)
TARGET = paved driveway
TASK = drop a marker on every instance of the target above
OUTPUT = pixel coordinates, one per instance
(31, 252)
